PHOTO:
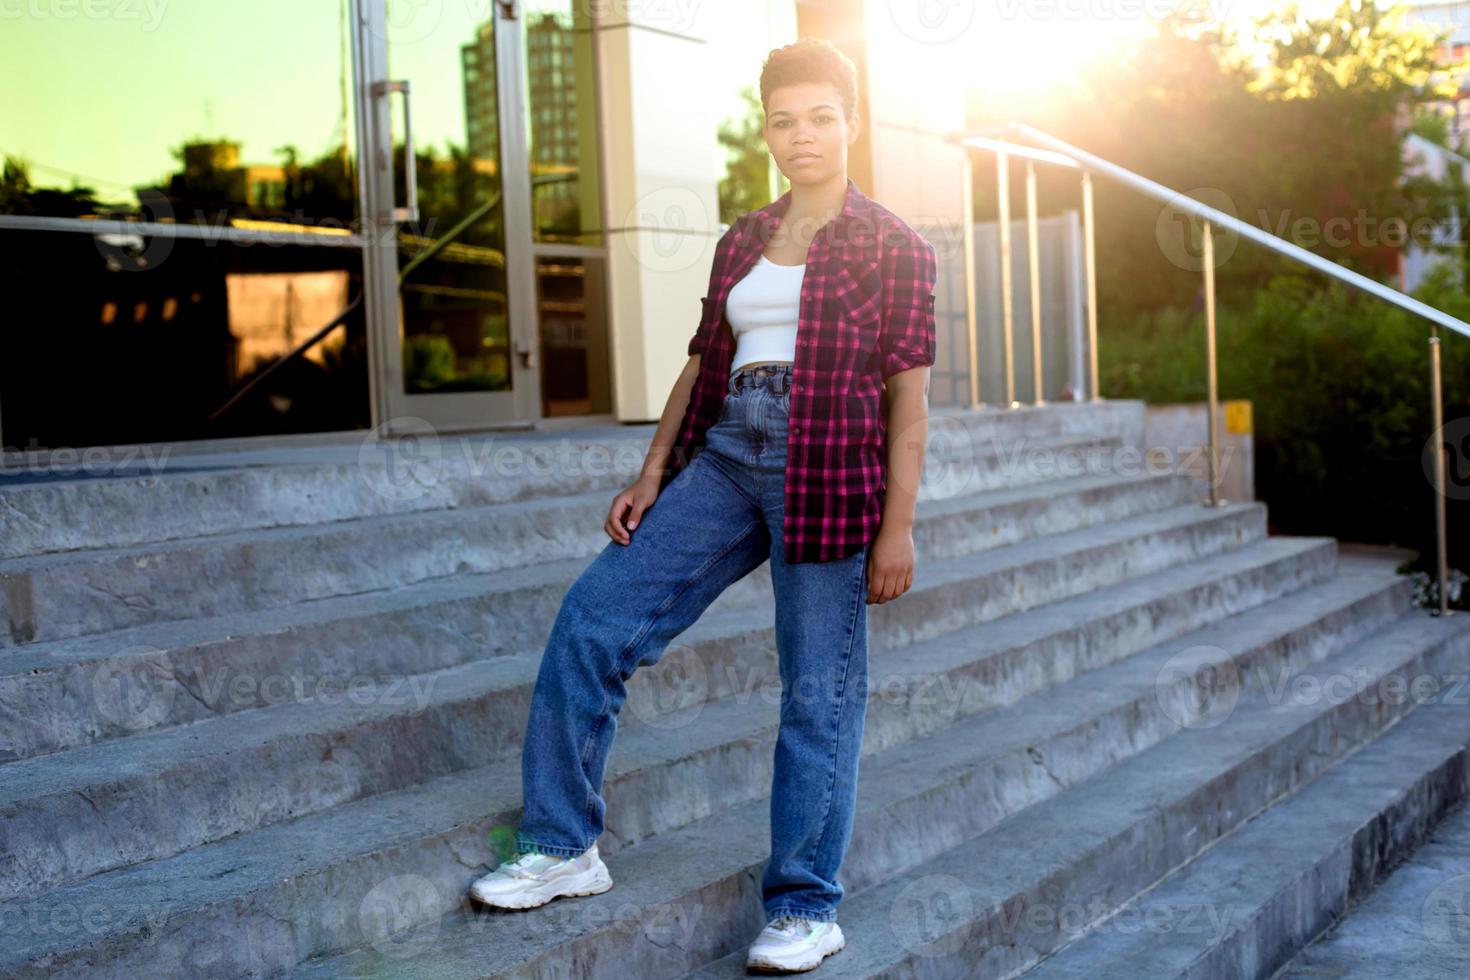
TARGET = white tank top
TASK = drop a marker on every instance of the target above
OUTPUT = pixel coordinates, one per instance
(763, 309)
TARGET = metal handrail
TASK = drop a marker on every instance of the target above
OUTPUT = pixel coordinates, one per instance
(1060, 153)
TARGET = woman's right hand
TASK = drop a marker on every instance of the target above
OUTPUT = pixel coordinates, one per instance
(628, 507)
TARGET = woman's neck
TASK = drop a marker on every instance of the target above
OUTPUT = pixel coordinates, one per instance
(812, 207)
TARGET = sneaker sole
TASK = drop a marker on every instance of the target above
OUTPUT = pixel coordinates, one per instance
(598, 882)
(769, 967)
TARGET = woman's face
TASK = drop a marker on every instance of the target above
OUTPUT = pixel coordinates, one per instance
(806, 132)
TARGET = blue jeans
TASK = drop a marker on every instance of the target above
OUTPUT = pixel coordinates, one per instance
(712, 525)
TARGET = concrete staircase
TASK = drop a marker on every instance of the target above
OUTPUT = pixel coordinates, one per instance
(260, 715)
(1411, 926)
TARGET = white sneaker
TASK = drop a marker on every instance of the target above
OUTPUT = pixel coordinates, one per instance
(535, 878)
(791, 945)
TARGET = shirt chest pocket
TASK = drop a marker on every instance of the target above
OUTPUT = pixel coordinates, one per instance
(857, 307)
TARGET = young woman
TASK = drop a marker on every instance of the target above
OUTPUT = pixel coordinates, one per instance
(773, 446)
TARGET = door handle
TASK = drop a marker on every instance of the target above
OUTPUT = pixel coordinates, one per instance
(526, 351)
(410, 165)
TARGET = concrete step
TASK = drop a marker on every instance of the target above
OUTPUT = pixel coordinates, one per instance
(80, 691)
(74, 594)
(331, 881)
(994, 905)
(1260, 893)
(117, 503)
(1410, 926)
(164, 791)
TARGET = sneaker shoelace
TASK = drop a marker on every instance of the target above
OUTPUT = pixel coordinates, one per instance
(532, 864)
(792, 926)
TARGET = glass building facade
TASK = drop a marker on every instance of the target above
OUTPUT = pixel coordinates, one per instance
(276, 219)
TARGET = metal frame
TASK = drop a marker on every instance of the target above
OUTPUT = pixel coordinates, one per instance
(394, 410)
(1057, 152)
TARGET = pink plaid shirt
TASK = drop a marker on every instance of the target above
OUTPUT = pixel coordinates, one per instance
(867, 312)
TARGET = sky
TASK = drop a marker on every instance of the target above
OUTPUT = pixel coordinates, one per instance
(108, 87)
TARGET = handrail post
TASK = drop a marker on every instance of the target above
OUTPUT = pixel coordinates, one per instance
(1003, 192)
(1437, 412)
(1090, 251)
(1213, 460)
(967, 210)
(1033, 253)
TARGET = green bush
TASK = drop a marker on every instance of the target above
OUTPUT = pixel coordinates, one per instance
(1339, 385)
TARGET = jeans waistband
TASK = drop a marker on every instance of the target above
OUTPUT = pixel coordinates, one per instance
(776, 377)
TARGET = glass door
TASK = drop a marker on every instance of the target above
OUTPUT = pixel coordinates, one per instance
(451, 266)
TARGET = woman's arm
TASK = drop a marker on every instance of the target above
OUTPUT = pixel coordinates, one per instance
(655, 463)
(629, 504)
(907, 342)
(908, 434)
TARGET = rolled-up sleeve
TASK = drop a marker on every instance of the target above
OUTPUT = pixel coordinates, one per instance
(908, 338)
(699, 343)
(709, 318)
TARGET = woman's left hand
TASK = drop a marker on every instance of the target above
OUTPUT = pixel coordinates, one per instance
(890, 564)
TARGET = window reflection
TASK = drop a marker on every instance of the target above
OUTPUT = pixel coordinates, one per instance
(232, 127)
(562, 126)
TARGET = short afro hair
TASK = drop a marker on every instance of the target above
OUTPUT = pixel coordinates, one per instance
(812, 59)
